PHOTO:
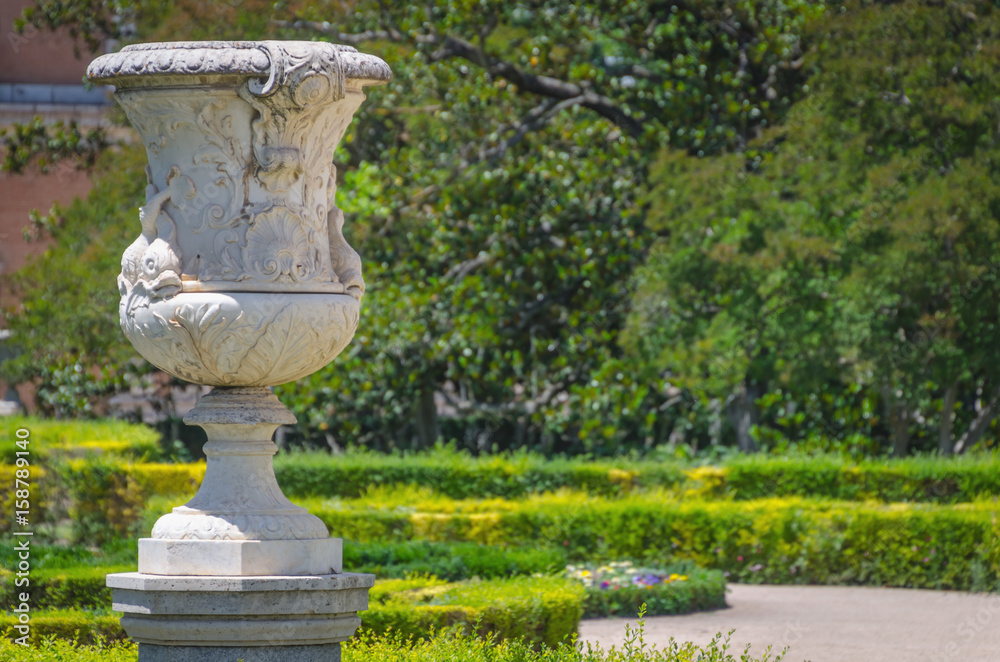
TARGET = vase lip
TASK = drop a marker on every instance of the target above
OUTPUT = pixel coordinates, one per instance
(135, 63)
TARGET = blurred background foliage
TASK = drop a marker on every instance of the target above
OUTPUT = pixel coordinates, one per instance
(601, 227)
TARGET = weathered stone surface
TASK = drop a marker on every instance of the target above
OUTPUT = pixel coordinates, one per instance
(240, 208)
(152, 653)
(138, 581)
(239, 498)
(185, 611)
(240, 557)
(240, 279)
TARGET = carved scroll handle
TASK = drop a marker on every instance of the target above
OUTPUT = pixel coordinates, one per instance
(308, 75)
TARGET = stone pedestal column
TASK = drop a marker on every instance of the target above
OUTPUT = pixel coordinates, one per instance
(241, 279)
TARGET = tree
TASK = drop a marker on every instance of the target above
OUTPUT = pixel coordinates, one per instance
(855, 244)
(492, 190)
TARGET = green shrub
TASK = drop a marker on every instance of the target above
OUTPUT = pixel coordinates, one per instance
(918, 479)
(451, 561)
(79, 438)
(48, 557)
(65, 588)
(367, 646)
(768, 540)
(84, 627)
(58, 449)
(542, 610)
(61, 650)
(108, 495)
(460, 476)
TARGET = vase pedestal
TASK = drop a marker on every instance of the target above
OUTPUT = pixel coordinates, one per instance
(240, 572)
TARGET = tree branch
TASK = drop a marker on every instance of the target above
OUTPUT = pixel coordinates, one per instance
(527, 406)
(454, 47)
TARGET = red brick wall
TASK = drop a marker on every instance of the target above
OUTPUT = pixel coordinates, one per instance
(19, 194)
(37, 56)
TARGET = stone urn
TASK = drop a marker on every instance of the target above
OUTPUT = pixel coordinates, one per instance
(241, 279)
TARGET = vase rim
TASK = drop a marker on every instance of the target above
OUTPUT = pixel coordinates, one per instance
(242, 59)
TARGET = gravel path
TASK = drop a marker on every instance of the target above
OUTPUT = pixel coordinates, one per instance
(835, 624)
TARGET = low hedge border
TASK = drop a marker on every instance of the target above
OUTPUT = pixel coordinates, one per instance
(83, 586)
(458, 476)
(451, 561)
(83, 627)
(75, 438)
(543, 610)
(367, 646)
(106, 494)
(64, 588)
(789, 541)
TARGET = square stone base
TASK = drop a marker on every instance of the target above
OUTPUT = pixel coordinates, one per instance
(240, 557)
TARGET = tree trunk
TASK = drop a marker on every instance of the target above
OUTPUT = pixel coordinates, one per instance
(743, 416)
(979, 426)
(947, 431)
(427, 419)
(900, 430)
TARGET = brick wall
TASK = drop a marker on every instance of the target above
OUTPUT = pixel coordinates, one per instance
(37, 56)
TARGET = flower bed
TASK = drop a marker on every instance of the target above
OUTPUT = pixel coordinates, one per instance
(620, 588)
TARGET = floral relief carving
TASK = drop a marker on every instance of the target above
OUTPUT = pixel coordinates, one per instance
(240, 209)
(272, 342)
(216, 525)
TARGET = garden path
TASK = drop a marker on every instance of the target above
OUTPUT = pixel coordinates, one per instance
(835, 624)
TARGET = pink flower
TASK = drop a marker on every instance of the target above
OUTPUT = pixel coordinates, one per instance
(739, 558)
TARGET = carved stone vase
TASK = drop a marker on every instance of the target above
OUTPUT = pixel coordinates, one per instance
(241, 279)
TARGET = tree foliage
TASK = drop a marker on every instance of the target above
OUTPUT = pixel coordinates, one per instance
(492, 190)
(843, 268)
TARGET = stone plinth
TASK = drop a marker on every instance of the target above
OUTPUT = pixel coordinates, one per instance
(224, 619)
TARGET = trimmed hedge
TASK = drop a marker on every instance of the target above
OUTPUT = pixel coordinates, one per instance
(64, 458)
(83, 586)
(59, 650)
(919, 479)
(451, 561)
(76, 438)
(765, 541)
(108, 496)
(84, 627)
(542, 610)
(461, 476)
(442, 647)
(65, 588)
